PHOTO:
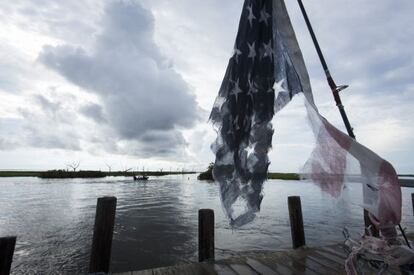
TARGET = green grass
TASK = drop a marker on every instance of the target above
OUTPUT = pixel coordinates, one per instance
(20, 173)
(283, 176)
(62, 174)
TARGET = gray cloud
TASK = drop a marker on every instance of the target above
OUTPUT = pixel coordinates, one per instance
(93, 111)
(51, 138)
(157, 143)
(141, 92)
(46, 104)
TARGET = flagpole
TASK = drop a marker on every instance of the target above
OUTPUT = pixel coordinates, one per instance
(334, 88)
(335, 91)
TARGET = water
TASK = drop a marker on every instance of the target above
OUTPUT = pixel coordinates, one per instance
(156, 221)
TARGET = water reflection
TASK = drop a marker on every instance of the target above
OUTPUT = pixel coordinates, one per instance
(156, 221)
(153, 226)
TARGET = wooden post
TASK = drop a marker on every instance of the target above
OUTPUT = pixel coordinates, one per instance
(6, 254)
(205, 235)
(412, 201)
(296, 222)
(102, 235)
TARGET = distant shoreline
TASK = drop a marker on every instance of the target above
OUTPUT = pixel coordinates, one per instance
(86, 173)
(406, 180)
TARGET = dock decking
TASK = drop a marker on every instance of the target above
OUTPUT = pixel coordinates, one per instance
(309, 261)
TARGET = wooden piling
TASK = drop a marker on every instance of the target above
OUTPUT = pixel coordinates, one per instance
(102, 235)
(7, 245)
(412, 201)
(296, 222)
(205, 235)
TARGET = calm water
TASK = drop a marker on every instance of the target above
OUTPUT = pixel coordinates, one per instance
(156, 221)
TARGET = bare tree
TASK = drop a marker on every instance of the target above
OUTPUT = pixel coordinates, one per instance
(74, 165)
(126, 169)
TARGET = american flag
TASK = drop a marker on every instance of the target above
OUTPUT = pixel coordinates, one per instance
(265, 71)
(243, 111)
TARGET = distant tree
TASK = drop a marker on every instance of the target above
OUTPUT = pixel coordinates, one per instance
(207, 175)
(74, 165)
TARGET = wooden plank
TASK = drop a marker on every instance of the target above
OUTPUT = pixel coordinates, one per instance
(169, 270)
(330, 256)
(302, 256)
(297, 265)
(283, 261)
(339, 252)
(126, 273)
(197, 268)
(142, 272)
(259, 267)
(243, 269)
(185, 269)
(223, 269)
(325, 261)
(275, 265)
(208, 267)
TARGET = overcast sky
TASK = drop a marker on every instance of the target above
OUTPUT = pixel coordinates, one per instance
(131, 83)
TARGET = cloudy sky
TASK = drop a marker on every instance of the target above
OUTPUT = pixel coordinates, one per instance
(131, 83)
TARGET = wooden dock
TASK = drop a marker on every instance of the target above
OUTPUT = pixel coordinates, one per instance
(310, 261)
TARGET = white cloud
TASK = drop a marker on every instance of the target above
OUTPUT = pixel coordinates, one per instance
(145, 100)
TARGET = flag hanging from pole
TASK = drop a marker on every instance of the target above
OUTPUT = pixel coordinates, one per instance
(265, 71)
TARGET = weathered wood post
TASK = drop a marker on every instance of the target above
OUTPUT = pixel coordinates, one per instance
(412, 201)
(296, 222)
(205, 235)
(102, 235)
(6, 254)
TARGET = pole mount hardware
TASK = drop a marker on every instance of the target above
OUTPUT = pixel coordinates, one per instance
(341, 88)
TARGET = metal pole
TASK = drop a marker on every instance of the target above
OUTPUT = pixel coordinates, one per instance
(334, 88)
(335, 92)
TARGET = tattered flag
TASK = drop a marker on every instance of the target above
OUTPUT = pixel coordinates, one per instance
(264, 73)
